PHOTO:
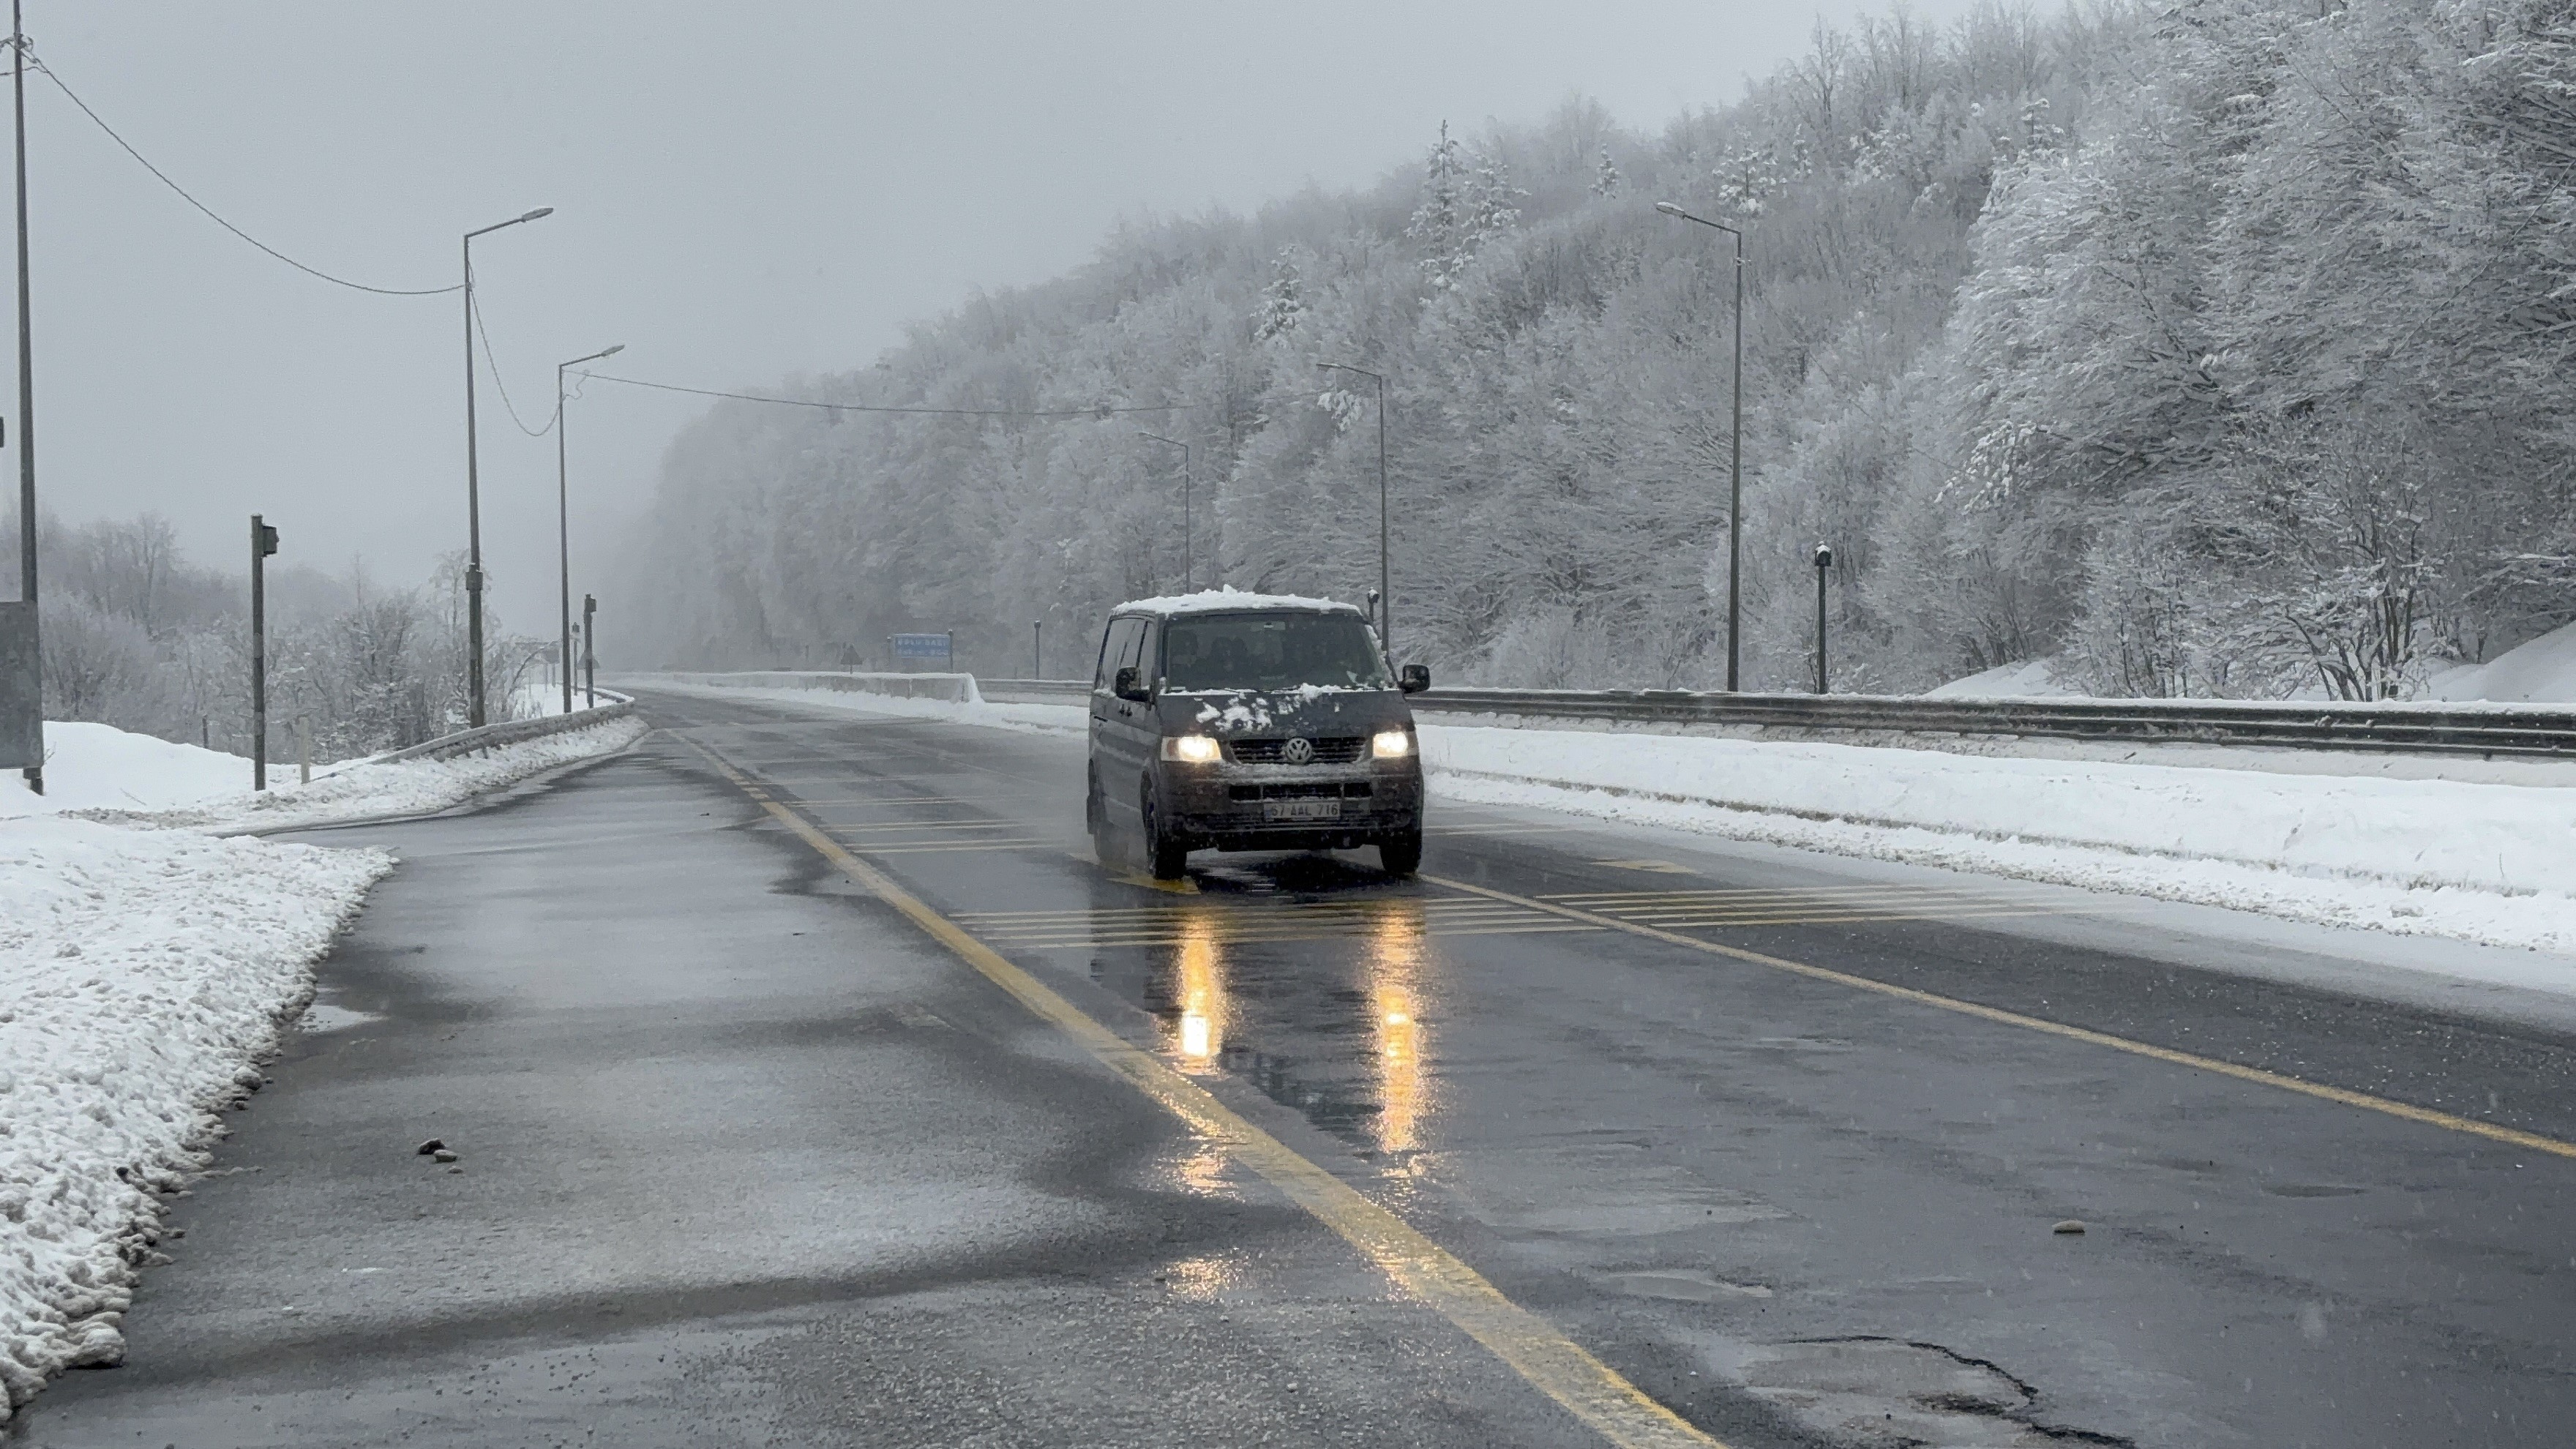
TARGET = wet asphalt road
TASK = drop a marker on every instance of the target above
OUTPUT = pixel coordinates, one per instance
(749, 1160)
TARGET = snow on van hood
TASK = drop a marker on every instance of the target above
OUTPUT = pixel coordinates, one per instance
(1254, 711)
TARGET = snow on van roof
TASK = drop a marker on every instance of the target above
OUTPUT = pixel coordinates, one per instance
(1229, 600)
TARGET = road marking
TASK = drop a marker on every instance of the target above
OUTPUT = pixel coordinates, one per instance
(839, 829)
(2493, 1132)
(1659, 867)
(1555, 1365)
(948, 847)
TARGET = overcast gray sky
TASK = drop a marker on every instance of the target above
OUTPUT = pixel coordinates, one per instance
(742, 192)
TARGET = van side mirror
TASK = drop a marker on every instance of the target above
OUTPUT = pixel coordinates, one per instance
(1413, 678)
(1129, 684)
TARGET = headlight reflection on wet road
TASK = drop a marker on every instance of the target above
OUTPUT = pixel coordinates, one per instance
(1395, 989)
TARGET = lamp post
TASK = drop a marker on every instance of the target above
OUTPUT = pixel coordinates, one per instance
(1824, 563)
(35, 773)
(563, 514)
(1385, 588)
(1185, 502)
(1735, 459)
(474, 488)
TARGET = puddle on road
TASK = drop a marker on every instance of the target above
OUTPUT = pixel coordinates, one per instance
(1681, 1285)
(320, 1017)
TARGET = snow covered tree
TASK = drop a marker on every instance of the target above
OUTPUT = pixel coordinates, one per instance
(1283, 301)
(1605, 176)
(1443, 223)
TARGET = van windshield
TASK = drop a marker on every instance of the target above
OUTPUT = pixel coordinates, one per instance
(1271, 652)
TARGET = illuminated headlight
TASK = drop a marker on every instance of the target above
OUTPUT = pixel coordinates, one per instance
(1391, 745)
(1190, 749)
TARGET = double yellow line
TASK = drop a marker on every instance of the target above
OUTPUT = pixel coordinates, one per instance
(1558, 1367)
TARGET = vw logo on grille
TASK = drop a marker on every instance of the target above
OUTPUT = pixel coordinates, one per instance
(1298, 752)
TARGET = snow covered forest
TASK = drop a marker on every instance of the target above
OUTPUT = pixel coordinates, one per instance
(139, 637)
(2220, 349)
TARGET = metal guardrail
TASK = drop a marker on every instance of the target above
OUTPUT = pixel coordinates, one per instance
(510, 732)
(2514, 730)
(2430, 729)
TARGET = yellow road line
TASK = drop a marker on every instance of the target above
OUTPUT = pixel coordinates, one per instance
(2493, 1132)
(838, 829)
(936, 847)
(1555, 1365)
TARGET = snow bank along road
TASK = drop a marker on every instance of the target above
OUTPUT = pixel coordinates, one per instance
(145, 970)
(813, 1084)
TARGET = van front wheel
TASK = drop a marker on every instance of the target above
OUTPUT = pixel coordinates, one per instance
(1401, 854)
(1168, 854)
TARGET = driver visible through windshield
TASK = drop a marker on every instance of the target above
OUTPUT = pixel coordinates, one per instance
(1272, 652)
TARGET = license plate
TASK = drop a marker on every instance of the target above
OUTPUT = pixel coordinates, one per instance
(1301, 809)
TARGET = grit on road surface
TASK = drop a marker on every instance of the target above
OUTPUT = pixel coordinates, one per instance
(750, 1159)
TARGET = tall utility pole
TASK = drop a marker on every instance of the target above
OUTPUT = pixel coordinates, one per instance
(1185, 503)
(263, 542)
(1734, 462)
(26, 388)
(563, 513)
(1385, 578)
(474, 486)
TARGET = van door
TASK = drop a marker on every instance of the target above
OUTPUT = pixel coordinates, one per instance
(1113, 753)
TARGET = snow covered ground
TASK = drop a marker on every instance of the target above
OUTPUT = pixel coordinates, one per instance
(147, 964)
(2477, 862)
(108, 775)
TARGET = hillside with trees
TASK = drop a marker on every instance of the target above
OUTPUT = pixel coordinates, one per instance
(2223, 349)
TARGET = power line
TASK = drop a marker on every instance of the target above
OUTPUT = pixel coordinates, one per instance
(165, 180)
(494, 365)
(800, 402)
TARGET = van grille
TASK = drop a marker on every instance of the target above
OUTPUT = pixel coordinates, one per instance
(1320, 790)
(1345, 751)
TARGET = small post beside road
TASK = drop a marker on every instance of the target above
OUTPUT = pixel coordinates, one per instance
(303, 749)
(263, 542)
(590, 649)
(1824, 562)
(1037, 649)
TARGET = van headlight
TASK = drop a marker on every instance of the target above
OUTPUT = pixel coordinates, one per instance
(1191, 749)
(1391, 745)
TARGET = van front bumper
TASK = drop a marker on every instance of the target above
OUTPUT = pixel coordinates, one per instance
(1287, 807)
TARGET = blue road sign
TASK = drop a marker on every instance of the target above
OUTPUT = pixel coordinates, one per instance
(922, 647)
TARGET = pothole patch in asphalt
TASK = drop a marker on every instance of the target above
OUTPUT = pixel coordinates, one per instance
(1892, 1392)
(1682, 1285)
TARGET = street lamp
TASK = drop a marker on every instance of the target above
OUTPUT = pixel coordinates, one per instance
(1185, 502)
(563, 514)
(474, 488)
(1824, 564)
(1735, 458)
(1385, 589)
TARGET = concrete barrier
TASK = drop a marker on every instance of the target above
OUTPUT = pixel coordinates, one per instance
(955, 688)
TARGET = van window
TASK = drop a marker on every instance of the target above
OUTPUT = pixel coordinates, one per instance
(1272, 651)
(1117, 648)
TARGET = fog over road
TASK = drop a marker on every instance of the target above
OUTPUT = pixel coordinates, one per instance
(751, 1157)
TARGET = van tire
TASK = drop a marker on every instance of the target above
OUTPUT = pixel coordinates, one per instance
(1400, 854)
(1167, 855)
(1095, 810)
